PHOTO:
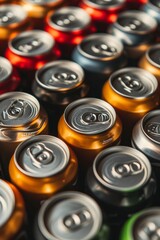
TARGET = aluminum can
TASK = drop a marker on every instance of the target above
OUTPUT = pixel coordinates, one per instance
(99, 55)
(88, 126)
(103, 12)
(132, 92)
(9, 77)
(75, 216)
(121, 180)
(37, 10)
(56, 85)
(143, 225)
(12, 213)
(150, 61)
(146, 138)
(42, 166)
(13, 20)
(31, 50)
(137, 31)
(68, 26)
(20, 118)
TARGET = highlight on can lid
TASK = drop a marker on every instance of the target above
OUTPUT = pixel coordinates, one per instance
(6, 69)
(74, 214)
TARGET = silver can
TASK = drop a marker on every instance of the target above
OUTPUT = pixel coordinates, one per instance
(75, 216)
(136, 30)
(121, 180)
(21, 117)
(152, 7)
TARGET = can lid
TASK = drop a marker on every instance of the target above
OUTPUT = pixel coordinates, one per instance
(122, 169)
(147, 225)
(100, 46)
(17, 109)
(137, 22)
(90, 116)
(133, 83)
(104, 4)
(60, 75)
(151, 126)
(11, 13)
(7, 202)
(5, 69)
(156, 3)
(43, 2)
(70, 215)
(32, 43)
(69, 19)
(153, 55)
(42, 156)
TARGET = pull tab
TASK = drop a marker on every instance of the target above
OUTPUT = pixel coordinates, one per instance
(103, 48)
(64, 21)
(154, 128)
(30, 46)
(40, 155)
(133, 24)
(130, 83)
(126, 169)
(77, 220)
(15, 110)
(6, 17)
(151, 231)
(63, 77)
(89, 118)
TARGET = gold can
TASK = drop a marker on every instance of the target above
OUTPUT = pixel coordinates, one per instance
(88, 126)
(41, 166)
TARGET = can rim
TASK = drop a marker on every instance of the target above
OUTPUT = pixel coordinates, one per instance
(17, 10)
(60, 63)
(48, 39)
(111, 150)
(142, 214)
(112, 38)
(145, 72)
(23, 94)
(8, 64)
(152, 23)
(145, 118)
(86, 100)
(82, 198)
(152, 5)
(96, 6)
(54, 2)
(32, 140)
(10, 199)
(148, 57)
(80, 12)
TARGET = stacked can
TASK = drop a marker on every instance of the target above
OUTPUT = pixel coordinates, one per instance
(75, 216)
(21, 117)
(29, 51)
(137, 91)
(137, 31)
(68, 26)
(103, 12)
(13, 20)
(37, 10)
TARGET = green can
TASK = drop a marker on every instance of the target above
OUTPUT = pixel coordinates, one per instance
(144, 225)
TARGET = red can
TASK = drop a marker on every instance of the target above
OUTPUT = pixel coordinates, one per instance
(68, 26)
(9, 78)
(31, 50)
(103, 12)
